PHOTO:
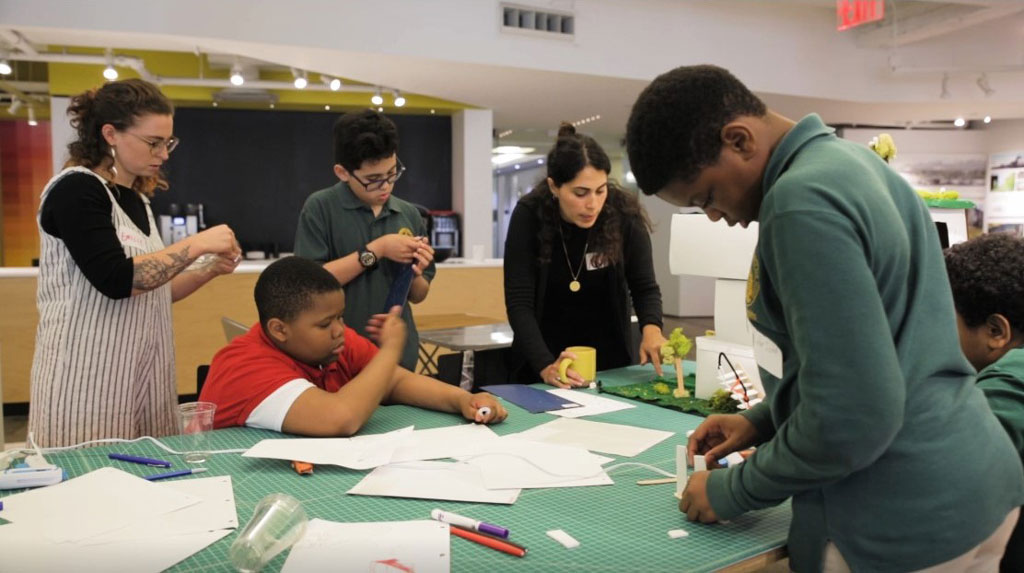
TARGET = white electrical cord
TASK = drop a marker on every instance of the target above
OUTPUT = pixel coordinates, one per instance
(41, 451)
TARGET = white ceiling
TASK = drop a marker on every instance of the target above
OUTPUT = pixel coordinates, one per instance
(532, 101)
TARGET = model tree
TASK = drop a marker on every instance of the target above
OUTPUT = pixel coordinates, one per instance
(672, 352)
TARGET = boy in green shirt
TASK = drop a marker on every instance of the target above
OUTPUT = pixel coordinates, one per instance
(987, 278)
(872, 424)
(360, 232)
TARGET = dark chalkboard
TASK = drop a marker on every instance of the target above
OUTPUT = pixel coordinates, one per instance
(254, 169)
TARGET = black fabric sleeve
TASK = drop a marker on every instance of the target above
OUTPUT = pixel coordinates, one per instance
(521, 276)
(639, 267)
(77, 210)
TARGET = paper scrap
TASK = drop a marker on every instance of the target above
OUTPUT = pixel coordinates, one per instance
(446, 442)
(358, 453)
(615, 439)
(677, 533)
(568, 541)
(514, 463)
(590, 404)
(432, 480)
(423, 546)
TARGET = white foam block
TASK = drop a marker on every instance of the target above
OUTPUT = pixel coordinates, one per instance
(680, 470)
(568, 541)
(734, 459)
(700, 464)
(677, 533)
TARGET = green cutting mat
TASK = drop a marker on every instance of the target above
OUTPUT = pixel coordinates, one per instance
(621, 527)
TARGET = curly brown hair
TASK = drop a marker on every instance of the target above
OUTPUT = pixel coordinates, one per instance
(118, 103)
(570, 154)
(986, 275)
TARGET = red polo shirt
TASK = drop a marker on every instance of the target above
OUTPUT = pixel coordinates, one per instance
(249, 369)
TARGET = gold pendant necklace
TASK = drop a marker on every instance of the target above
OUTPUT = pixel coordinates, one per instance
(574, 284)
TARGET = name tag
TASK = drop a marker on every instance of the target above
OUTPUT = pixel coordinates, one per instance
(592, 263)
(133, 240)
(768, 354)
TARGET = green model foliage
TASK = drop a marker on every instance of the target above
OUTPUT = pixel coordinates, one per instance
(678, 346)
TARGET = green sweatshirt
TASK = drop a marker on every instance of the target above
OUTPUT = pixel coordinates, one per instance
(1003, 385)
(876, 429)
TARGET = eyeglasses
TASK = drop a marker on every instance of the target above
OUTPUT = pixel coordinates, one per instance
(378, 184)
(156, 145)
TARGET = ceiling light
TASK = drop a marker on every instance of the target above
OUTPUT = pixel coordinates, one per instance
(432, 112)
(5, 67)
(944, 94)
(109, 72)
(377, 99)
(380, 110)
(517, 166)
(215, 104)
(334, 84)
(300, 79)
(959, 122)
(504, 149)
(327, 108)
(15, 106)
(988, 119)
(399, 99)
(271, 105)
(984, 86)
(32, 116)
(237, 78)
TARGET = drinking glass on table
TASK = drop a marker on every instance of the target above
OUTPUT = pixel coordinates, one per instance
(196, 425)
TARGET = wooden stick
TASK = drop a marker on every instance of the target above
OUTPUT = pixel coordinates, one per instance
(656, 481)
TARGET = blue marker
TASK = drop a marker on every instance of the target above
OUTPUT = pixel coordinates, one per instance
(175, 473)
(138, 460)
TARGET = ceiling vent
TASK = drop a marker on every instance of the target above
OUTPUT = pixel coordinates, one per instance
(546, 23)
(243, 95)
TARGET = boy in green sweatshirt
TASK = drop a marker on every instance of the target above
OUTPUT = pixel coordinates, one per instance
(987, 278)
(872, 425)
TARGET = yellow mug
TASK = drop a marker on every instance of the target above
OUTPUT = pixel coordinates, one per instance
(585, 363)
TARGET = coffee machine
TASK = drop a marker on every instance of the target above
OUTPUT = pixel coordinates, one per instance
(180, 223)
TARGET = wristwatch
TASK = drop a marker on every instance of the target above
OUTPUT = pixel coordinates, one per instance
(368, 259)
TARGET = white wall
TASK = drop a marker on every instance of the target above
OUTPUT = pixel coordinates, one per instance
(1004, 136)
(61, 132)
(472, 193)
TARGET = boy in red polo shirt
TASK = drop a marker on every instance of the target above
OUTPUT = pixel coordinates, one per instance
(301, 370)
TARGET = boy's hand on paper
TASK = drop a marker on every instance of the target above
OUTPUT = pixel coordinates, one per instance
(471, 404)
(720, 435)
(694, 501)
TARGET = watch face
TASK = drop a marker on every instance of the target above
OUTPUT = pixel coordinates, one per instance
(367, 258)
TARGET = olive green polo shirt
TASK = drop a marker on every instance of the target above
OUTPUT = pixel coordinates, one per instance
(335, 223)
(875, 429)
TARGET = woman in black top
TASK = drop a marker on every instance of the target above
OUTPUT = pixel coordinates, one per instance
(578, 248)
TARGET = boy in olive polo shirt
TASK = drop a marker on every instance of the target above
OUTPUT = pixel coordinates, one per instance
(363, 234)
(873, 425)
(987, 278)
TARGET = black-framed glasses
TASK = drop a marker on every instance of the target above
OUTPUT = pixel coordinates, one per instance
(378, 184)
(155, 145)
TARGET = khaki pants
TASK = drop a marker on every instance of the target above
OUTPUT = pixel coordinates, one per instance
(983, 558)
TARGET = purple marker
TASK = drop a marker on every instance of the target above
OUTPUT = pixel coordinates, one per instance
(467, 523)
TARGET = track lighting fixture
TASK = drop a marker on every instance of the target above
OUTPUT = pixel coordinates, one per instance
(15, 106)
(959, 122)
(944, 94)
(5, 67)
(300, 79)
(32, 116)
(377, 99)
(984, 86)
(399, 99)
(109, 72)
(237, 78)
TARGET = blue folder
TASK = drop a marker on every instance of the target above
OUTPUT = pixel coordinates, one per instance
(530, 399)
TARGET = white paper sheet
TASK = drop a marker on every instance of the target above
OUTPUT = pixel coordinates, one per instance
(97, 502)
(447, 442)
(432, 480)
(216, 511)
(590, 404)
(515, 463)
(615, 439)
(23, 549)
(386, 547)
(358, 453)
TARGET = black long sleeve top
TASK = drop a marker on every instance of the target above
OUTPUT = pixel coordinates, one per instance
(77, 210)
(528, 283)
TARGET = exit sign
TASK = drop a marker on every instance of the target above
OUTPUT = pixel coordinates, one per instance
(852, 13)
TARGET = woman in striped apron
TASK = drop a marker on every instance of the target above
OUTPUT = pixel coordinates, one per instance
(104, 355)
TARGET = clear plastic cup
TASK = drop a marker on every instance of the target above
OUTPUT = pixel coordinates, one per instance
(277, 523)
(196, 425)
